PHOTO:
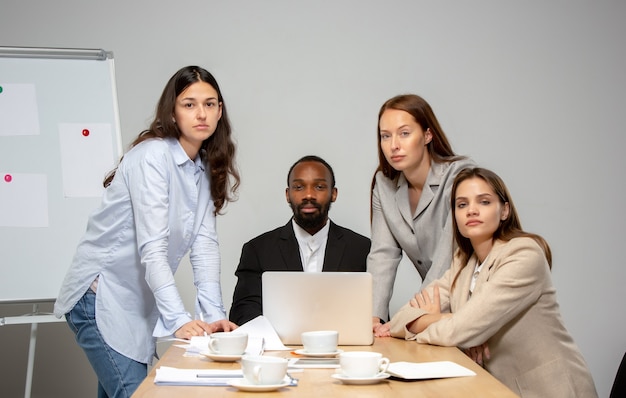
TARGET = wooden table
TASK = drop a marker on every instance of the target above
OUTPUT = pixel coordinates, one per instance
(317, 383)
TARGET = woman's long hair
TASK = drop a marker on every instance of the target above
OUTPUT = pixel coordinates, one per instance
(507, 230)
(218, 151)
(439, 147)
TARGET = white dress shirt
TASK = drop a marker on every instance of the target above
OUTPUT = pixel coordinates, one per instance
(312, 247)
(157, 209)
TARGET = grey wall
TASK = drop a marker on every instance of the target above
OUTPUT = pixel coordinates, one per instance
(533, 90)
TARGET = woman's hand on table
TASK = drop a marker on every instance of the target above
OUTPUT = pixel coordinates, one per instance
(479, 354)
(199, 328)
(383, 330)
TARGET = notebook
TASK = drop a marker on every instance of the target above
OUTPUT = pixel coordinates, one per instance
(296, 302)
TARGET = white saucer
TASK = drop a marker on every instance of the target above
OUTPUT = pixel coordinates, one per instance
(221, 358)
(318, 354)
(360, 380)
(243, 385)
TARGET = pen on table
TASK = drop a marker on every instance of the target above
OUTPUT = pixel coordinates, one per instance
(219, 376)
(202, 319)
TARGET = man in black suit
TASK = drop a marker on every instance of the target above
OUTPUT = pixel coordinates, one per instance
(309, 242)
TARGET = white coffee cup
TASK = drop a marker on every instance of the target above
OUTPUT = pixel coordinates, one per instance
(228, 343)
(264, 370)
(362, 364)
(321, 341)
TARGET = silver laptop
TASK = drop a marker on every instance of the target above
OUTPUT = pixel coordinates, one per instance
(296, 302)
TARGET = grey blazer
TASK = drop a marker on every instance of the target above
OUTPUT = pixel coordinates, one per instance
(514, 310)
(425, 236)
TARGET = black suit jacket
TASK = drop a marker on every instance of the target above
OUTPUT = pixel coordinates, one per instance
(277, 250)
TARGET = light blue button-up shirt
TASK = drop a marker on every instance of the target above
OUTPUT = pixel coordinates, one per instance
(157, 208)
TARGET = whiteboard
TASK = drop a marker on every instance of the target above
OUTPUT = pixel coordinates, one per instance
(59, 137)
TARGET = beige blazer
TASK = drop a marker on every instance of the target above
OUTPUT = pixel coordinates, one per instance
(514, 310)
(425, 236)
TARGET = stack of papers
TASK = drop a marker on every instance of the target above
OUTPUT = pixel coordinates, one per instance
(261, 337)
(427, 370)
(196, 345)
(167, 376)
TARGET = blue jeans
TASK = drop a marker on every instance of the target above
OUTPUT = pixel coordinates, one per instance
(118, 376)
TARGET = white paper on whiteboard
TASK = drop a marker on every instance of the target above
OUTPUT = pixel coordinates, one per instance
(23, 200)
(18, 110)
(86, 157)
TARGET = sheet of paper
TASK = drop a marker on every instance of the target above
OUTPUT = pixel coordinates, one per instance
(428, 370)
(196, 345)
(260, 327)
(86, 157)
(19, 114)
(23, 200)
(261, 337)
(166, 375)
(313, 363)
(199, 344)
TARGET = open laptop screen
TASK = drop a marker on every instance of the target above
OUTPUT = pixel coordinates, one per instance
(296, 302)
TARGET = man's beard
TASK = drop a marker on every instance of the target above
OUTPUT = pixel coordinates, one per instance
(310, 221)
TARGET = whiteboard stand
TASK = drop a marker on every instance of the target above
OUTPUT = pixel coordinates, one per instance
(34, 318)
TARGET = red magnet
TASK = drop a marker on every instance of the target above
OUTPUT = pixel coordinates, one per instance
(85, 132)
